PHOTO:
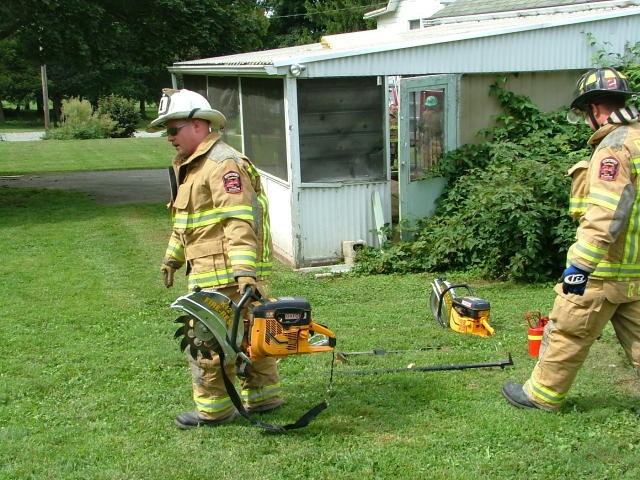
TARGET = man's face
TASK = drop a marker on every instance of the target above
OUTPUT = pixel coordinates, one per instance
(183, 136)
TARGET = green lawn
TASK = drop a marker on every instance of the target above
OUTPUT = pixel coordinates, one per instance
(91, 378)
(81, 155)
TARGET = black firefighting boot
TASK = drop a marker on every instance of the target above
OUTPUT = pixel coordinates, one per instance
(192, 419)
(514, 393)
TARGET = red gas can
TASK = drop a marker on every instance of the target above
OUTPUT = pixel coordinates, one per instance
(536, 329)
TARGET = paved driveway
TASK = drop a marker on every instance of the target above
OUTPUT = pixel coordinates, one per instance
(118, 187)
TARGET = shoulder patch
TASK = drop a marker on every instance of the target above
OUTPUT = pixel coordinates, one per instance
(609, 169)
(232, 182)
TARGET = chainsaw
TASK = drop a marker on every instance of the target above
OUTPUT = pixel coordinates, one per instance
(275, 327)
(464, 314)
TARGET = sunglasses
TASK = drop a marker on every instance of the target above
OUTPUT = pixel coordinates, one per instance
(173, 131)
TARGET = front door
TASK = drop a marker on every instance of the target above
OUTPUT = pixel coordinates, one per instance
(427, 127)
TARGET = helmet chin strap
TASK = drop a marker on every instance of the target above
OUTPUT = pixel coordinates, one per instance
(592, 117)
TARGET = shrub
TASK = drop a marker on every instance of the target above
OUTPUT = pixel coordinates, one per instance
(123, 111)
(504, 212)
(78, 121)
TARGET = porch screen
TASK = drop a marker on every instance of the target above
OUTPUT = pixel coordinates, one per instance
(264, 125)
(223, 95)
(341, 129)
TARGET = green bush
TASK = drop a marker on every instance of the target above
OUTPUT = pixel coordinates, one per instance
(504, 212)
(79, 122)
(123, 111)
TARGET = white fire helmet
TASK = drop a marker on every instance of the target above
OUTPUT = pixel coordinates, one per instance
(177, 104)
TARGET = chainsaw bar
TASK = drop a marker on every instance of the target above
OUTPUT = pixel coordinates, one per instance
(344, 356)
(432, 368)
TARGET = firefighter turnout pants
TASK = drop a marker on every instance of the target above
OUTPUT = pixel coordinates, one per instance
(575, 324)
(260, 382)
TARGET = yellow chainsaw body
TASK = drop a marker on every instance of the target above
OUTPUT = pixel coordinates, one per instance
(463, 314)
(283, 326)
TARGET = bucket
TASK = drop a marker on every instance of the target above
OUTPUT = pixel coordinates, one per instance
(536, 330)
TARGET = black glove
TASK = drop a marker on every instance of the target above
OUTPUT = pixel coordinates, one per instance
(574, 280)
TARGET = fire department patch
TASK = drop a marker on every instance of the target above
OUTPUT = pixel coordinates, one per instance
(609, 169)
(232, 182)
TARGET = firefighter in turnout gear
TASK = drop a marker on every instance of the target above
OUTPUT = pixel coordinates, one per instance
(601, 282)
(221, 236)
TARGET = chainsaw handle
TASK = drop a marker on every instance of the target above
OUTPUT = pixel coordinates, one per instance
(248, 294)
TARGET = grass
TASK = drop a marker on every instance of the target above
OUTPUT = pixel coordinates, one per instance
(91, 377)
(82, 155)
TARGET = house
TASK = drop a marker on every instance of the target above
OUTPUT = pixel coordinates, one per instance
(315, 118)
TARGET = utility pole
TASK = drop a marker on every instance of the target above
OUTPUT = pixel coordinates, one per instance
(45, 95)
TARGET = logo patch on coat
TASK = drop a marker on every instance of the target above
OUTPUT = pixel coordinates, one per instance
(232, 182)
(609, 169)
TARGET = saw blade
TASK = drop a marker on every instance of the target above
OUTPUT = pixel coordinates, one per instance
(197, 339)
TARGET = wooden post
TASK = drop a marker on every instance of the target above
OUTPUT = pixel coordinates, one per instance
(45, 95)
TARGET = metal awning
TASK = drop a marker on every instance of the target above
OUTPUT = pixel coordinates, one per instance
(487, 45)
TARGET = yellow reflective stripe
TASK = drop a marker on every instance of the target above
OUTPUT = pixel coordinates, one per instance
(577, 204)
(175, 250)
(588, 251)
(243, 257)
(212, 405)
(632, 239)
(545, 394)
(266, 228)
(604, 198)
(212, 216)
(260, 394)
(617, 270)
(263, 269)
(212, 278)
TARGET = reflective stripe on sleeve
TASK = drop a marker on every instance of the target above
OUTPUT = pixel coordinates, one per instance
(603, 198)
(240, 258)
(175, 250)
(587, 251)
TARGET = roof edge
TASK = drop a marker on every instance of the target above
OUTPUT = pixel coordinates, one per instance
(392, 5)
(427, 22)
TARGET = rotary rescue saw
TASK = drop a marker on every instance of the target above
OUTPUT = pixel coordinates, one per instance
(464, 314)
(276, 327)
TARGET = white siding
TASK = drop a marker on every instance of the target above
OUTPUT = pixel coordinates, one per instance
(332, 214)
(279, 197)
(408, 10)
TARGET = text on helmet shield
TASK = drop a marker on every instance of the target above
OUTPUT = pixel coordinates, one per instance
(163, 105)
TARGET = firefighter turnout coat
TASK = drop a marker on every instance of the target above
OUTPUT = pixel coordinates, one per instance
(220, 217)
(608, 237)
(606, 198)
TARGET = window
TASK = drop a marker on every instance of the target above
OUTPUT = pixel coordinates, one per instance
(223, 95)
(414, 24)
(426, 121)
(264, 124)
(341, 129)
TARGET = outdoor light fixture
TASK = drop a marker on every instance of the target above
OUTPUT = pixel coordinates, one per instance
(296, 69)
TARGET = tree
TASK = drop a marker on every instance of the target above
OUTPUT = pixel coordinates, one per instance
(297, 23)
(96, 48)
